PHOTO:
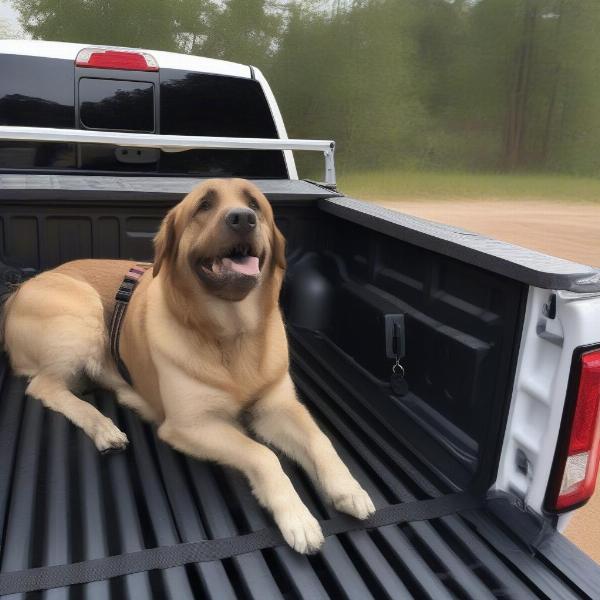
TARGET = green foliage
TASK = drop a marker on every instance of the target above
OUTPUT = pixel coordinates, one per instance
(334, 78)
(394, 184)
(460, 84)
(244, 31)
(114, 22)
(5, 30)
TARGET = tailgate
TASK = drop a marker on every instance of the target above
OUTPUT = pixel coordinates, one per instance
(62, 502)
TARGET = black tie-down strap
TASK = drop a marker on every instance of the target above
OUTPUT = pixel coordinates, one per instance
(166, 557)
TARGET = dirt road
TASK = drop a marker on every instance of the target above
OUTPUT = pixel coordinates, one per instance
(568, 230)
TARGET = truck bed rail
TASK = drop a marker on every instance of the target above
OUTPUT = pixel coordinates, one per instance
(170, 143)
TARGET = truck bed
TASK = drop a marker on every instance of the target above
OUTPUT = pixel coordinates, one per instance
(62, 502)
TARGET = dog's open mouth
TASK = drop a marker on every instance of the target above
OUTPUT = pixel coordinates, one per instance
(241, 260)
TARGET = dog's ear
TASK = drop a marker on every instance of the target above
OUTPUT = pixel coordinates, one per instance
(164, 242)
(278, 248)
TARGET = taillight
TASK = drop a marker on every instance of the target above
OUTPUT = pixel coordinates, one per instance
(575, 467)
(101, 58)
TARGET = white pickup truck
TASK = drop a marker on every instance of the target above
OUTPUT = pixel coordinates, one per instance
(474, 458)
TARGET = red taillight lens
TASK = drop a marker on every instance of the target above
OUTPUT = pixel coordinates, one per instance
(100, 58)
(576, 465)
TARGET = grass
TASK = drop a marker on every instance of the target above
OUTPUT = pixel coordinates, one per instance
(440, 185)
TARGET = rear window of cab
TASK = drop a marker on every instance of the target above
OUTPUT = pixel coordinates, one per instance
(111, 104)
(48, 92)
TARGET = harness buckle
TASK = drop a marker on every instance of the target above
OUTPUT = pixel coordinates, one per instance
(125, 290)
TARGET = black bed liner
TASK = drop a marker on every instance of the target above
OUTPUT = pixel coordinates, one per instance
(61, 501)
(516, 262)
(521, 264)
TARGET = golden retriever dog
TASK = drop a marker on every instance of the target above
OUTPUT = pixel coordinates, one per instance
(204, 343)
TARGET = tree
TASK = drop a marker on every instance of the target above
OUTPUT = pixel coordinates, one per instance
(6, 31)
(573, 118)
(245, 31)
(113, 22)
(337, 75)
(467, 84)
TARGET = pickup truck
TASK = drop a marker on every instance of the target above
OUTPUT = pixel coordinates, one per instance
(474, 458)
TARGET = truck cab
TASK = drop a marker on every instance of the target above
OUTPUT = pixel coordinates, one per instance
(106, 90)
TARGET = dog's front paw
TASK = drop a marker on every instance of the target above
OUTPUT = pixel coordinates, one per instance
(355, 502)
(109, 438)
(300, 530)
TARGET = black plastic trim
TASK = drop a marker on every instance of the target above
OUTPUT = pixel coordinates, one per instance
(140, 189)
(561, 557)
(530, 267)
(490, 459)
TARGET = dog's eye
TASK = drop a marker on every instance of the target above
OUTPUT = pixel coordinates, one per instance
(253, 204)
(205, 205)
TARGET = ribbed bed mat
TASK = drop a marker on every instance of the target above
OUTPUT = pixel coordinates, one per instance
(61, 501)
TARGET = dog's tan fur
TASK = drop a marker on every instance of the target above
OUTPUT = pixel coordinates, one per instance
(197, 361)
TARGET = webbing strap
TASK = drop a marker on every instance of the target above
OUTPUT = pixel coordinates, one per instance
(122, 298)
(166, 557)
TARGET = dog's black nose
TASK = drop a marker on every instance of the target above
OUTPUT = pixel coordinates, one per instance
(241, 220)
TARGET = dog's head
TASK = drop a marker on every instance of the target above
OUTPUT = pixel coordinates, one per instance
(223, 236)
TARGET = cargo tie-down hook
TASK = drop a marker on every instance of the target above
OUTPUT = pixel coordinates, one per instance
(397, 381)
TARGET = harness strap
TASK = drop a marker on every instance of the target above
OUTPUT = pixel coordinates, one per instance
(166, 557)
(122, 298)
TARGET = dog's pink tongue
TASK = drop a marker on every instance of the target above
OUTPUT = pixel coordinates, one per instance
(247, 265)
